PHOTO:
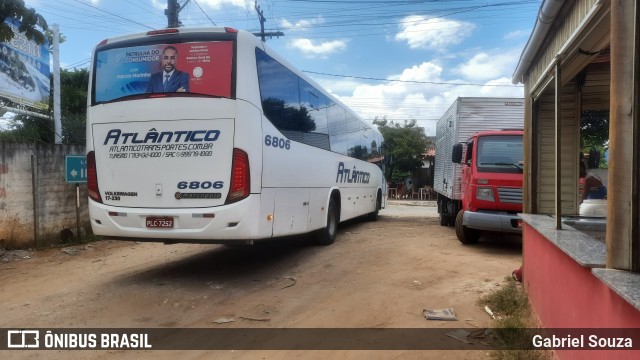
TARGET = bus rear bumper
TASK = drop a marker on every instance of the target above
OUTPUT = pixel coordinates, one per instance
(238, 222)
(491, 221)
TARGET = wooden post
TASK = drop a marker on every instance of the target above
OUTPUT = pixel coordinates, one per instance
(558, 143)
(635, 202)
(528, 150)
(622, 213)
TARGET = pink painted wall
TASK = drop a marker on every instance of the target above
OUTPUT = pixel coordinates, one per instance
(564, 294)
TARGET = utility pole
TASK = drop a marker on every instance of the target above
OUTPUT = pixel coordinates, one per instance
(262, 34)
(172, 11)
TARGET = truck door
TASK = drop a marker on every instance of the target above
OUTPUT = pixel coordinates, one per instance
(466, 187)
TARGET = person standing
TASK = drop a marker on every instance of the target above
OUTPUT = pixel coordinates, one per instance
(169, 79)
(593, 187)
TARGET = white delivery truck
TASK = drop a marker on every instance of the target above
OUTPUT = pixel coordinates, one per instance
(469, 123)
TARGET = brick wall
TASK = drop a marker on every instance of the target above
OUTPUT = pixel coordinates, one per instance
(54, 198)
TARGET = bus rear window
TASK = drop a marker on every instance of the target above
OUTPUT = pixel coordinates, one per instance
(197, 68)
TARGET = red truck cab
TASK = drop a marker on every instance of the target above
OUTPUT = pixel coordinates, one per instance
(491, 183)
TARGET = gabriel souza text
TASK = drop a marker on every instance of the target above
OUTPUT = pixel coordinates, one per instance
(582, 342)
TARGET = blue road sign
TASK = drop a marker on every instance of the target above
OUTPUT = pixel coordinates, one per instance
(75, 168)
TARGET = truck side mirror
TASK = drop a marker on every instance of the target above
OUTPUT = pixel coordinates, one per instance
(456, 153)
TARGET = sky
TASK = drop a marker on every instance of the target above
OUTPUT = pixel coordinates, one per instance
(401, 60)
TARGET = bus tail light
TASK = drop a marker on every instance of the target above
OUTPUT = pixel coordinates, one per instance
(240, 177)
(92, 178)
(163, 31)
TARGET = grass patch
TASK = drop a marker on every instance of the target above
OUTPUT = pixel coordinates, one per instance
(514, 320)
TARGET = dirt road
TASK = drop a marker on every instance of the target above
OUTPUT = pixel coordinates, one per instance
(377, 275)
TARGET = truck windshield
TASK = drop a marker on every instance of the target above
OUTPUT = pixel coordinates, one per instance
(500, 153)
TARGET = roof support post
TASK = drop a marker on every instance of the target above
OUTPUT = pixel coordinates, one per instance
(623, 227)
(558, 143)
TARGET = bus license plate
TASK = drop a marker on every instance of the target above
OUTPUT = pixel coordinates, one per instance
(159, 222)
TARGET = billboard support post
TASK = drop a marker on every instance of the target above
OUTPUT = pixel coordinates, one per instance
(56, 84)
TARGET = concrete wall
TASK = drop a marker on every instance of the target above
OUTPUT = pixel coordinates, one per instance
(22, 165)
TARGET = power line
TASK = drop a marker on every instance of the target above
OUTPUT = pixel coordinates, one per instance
(205, 14)
(410, 81)
(78, 63)
(112, 14)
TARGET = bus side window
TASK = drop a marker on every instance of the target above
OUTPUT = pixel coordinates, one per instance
(313, 113)
(337, 128)
(355, 138)
(280, 96)
(314, 101)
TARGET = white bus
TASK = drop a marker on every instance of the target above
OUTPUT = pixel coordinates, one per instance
(236, 146)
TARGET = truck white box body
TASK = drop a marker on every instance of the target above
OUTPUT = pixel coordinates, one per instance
(465, 117)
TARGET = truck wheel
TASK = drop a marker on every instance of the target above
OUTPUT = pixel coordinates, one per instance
(465, 234)
(444, 220)
(327, 235)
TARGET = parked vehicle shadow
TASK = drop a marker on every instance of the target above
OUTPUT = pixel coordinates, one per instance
(499, 243)
(241, 264)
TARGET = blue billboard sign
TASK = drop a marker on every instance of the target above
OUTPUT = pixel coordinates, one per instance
(24, 69)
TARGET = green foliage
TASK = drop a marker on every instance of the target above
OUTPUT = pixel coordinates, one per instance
(404, 145)
(594, 132)
(508, 300)
(49, 35)
(74, 130)
(73, 96)
(400, 176)
(513, 328)
(28, 17)
(594, 129)
(25, 128)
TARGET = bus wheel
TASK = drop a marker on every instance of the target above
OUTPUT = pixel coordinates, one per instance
(373, 216)
(465, 234)
(327, 235)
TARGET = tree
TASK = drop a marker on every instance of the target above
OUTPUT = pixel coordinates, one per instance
(73, 103)
(29, 20)
(594, 132)
(404, 144)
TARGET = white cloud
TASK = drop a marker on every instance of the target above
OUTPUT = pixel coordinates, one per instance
(426, 71)
(423, 33)
(426, 102)
(486, 66)
(211, 4)
(159, 4)
(322, 50)
(217, 4)
(302, 25)
(518, 34)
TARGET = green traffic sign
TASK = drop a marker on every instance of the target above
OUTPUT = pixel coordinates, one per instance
(75, 168)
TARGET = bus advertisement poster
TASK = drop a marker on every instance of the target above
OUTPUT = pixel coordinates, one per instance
(24, 69)
(198, 67)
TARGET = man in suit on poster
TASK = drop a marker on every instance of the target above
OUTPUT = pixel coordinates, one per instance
(169, 79)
